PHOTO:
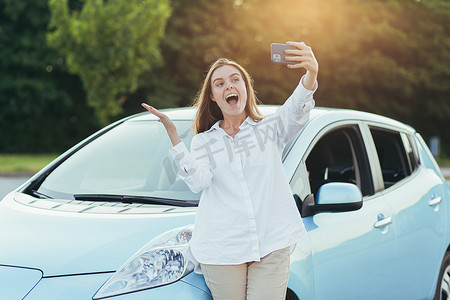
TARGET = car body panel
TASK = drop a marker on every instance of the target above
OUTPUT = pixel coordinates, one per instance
(302, 280)
(350, 239)
(15, 283)
(85, 287)
(80, 242)
(419, 248)
(377, 261)
(77, 246)
(428, 162)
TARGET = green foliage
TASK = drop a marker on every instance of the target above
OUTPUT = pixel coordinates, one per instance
(36, 93)
(389, 57)
(24, 163)
(108, 44)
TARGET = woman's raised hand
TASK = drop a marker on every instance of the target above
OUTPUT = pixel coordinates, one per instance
(303, 57)
(168, 124)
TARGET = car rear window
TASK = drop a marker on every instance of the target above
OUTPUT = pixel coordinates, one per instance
(394, 160)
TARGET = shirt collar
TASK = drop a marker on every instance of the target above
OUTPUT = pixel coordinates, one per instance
(248, 120)
(215, 126)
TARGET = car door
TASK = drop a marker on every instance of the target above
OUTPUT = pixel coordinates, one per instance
(414, 193)
(352, 252)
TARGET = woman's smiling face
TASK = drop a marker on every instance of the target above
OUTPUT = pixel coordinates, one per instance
(228, 90)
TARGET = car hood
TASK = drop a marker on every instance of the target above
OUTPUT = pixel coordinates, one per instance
(63, 242)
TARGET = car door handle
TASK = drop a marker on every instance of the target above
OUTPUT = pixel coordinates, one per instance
(384, 222)
(435, 201)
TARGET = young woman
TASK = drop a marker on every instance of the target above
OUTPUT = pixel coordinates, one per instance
(247, 219)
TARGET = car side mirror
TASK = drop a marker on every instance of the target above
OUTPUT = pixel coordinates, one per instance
(333, 197)
(338, 197)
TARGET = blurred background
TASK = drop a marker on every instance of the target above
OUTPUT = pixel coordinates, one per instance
(69, 67)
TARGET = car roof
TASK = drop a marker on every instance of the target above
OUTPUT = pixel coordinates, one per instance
(325, 114)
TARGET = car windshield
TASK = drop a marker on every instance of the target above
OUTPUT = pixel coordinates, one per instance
(131, 159)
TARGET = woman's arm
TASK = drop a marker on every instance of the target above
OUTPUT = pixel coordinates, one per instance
(195, 171)
(294, 113)
(194, 167)
(168, 124)
(304, 58)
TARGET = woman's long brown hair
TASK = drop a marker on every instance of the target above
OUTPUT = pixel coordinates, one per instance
(208, 112)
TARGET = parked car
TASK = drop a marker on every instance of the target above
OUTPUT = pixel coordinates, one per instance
(110, 217)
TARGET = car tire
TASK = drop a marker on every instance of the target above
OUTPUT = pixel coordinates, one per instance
(290, 295)
(443, 284)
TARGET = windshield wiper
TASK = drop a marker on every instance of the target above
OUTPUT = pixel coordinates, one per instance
(40, 195)
(134, 199)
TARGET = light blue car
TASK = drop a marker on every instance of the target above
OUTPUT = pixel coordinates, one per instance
(110, 218)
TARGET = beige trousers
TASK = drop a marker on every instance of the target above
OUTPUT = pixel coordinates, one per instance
(260, 280)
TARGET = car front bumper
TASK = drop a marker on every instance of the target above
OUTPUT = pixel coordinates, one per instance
(85, 286)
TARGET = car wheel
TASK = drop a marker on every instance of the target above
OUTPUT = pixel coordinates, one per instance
(290, 295)
(443, 284)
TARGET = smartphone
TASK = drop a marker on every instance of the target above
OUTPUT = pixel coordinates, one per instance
(277, 54)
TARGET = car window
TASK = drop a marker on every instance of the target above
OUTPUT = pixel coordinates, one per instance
(130, 159)
(338, 156)
(394, 158)
(411, 151)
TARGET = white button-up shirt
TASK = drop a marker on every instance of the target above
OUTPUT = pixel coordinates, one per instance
(246, 209)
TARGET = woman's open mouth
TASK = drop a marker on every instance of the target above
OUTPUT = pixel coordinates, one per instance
(232, 99)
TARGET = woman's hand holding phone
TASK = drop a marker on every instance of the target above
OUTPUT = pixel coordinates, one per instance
(303, 57)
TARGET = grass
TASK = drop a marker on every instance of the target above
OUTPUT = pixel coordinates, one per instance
(443, 162)
(24, 163)
(31, 163)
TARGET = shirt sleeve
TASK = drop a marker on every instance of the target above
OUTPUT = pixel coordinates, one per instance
(194, 167)
(294, 113)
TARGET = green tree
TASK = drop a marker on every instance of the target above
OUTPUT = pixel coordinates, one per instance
(108, 44)
(388, 57)
(36, 91)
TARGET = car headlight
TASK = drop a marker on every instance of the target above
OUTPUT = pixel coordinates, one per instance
(161, 261)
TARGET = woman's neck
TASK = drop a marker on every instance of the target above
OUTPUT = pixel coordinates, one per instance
(231, 123)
